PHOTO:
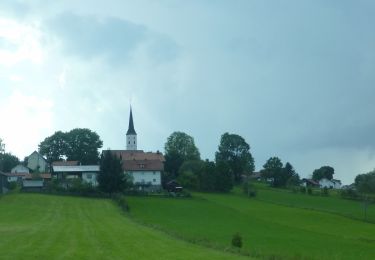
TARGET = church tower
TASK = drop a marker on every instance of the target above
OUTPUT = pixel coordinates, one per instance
(131, 135)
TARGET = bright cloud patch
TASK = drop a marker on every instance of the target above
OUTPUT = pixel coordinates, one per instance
(28, 121)
(19, 42)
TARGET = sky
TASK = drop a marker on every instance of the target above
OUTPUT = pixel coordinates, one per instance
(295, 78)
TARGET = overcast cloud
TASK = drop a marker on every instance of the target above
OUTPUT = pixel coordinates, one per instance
(294, 78)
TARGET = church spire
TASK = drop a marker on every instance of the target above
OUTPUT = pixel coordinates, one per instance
(131, 130)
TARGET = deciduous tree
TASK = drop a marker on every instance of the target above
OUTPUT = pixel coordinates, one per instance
(180, 147)
(235, 152)
(323, 172)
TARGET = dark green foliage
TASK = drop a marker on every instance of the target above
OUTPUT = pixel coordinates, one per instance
(207, 177)
(235, 152)
(121, 201)
(281, 176)
(223, 176)
(323, 172)
(8, 161)
(54, 147)
(349, 194)
(365, 183)
(237, 240)
(188, 174)
(325, 191)
(111, 177)
(79, 144)
(302, 189)
(180, 147)
(309, 191)
(272, 167)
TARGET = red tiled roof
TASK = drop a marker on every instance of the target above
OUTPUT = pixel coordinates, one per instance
(65, 163)
(42, 175)
(140, 161)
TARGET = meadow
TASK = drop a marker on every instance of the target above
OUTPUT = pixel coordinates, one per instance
(269, 229)
(34, 226)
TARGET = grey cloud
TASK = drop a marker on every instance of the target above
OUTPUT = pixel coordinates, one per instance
(13, 8)
(111, 38)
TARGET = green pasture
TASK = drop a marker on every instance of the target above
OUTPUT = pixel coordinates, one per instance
(332, 203)
(36, 226)
(269, 230)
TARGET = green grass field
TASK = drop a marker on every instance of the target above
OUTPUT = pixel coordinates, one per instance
(332, 203)
(268, 229)
(36, 226)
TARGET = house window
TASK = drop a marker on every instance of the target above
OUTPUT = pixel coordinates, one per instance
(129, 142)
(154, 173)
(89, 176)
(154, 180)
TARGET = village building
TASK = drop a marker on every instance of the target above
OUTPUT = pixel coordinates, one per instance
(330, 184)
(145, 168)
(20, 169)
(87, 173)
(37, 163)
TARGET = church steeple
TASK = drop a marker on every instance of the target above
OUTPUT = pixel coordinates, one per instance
(131, 135)
(131, 130)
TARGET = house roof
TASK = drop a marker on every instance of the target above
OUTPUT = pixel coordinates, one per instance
(65, 163)
(140, 161)
(131, 130)
(38, 154)
(76, 168)
(19, 174)
(41, 175)
(310, 181)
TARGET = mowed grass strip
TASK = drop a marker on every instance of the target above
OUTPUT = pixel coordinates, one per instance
(34, 226)
(268, 230)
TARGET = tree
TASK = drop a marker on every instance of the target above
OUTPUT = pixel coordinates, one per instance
(54, 147)
(223, 177)
(8, 161)
(323, 172)
(180, 147)
(2, 146)
(207, 176)
(111, 177)
(289, 177)
(80, 144)
(365, 183)
(234, 151)
(188, 174)
(84, 146)
(272, 167)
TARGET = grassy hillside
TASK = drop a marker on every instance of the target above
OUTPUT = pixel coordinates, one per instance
(268, 229)
(332, 203)
(50, 227)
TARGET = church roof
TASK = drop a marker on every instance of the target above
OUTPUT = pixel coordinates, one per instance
(140, 161)
(131, 130)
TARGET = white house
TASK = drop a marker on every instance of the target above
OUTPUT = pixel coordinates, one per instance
(88, 173)
(37, 163)
(20, 169)
(330, 184)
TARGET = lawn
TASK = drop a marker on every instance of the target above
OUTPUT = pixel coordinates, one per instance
(34, 226)
(268, 229)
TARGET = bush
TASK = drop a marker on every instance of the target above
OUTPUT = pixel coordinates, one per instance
(13, 185)
(120, 201)
(349, 194)
(325, 191)
(237, 240)
(309, 191)
(302, 189)
(249, 189)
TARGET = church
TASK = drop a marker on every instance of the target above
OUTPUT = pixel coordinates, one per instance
(144, 167)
